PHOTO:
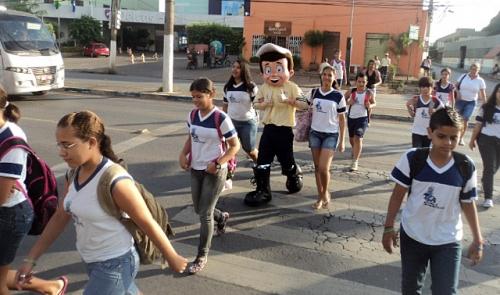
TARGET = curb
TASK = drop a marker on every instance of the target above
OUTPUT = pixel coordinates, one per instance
(165, 96)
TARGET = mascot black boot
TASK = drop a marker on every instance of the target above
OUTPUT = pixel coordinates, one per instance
(294, 182)
(262, 194)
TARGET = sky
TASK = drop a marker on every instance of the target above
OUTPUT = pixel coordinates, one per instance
(453, 14)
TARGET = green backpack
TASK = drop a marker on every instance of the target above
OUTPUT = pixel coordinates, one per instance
(145, 247)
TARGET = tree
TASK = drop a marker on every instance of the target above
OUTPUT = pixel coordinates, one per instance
(398, 45)
(494, 26)
(30, 6)
(314, 39)
(206, 33)
(85, 30)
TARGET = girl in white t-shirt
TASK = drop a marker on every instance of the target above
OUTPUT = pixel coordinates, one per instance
(204, 156)
(101, 239)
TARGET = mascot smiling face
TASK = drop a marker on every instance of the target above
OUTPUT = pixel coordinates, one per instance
(276, 64)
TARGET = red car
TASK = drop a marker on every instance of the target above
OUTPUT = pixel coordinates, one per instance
(96, 50)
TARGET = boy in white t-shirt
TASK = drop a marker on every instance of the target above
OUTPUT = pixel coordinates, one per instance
(431, 223)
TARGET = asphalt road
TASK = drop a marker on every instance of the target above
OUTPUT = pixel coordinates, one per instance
(283, 248)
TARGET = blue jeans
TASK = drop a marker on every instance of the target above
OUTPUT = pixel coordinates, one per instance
(465, 108)
(323, 140)
(114, 276)
(247, 133)
(444, 261)
(15, 223)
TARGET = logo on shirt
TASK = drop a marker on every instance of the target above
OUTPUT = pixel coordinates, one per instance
(430, 200)
(195, 137)
(232, 99)
(496, 119)
(318, 107)
(424, 114)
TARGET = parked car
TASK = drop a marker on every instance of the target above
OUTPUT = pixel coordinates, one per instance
(96, 50)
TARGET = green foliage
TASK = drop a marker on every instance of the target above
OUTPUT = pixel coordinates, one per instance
(206, 33)
(398, 44)
(493, 28)
(314, 38)
(85, 30)
(297, 62)
(30, 6)
(254, 59)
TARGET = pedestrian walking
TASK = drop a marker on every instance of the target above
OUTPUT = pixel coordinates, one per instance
(239, 95)
(377, 62)
(101, 239)
(426, 66)
(444, 90)
(487, 136)
(470, 87)
(360, 101)
(277, 100)
(373, 76)
(327, 130)
(339, 65)
(441, 184)
(206, 158)
(385, 62)
(421, 107)
(16, 213)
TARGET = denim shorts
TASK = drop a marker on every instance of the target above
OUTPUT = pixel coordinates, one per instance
(114, 276)
(323, 140)
(15, 223)
(465, 108)
(247, 133)
(357, 126)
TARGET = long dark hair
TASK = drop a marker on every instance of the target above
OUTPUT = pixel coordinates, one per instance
(335, 85)
(245, 77)
(9, 110)
(490, 105)
(87, 124)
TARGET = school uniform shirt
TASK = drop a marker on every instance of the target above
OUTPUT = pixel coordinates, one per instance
(13, 163)
(469, 88)
(99, 236)
(339, 67)
(422, 116)
(281, 113)
(240, 102)
(490, 129)
(358, 109)
(444, 93)
(432, 214)
(206, 145)
(326, 108)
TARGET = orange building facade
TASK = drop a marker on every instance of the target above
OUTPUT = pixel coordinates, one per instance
(372, 26)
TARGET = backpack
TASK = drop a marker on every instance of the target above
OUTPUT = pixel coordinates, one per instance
(303, 122)
(417, 163)
(148, 252)
(231, 164)
(367, 98)
(40, 183)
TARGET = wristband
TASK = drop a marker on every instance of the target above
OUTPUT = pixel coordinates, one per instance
(30, 261)
(388, 229)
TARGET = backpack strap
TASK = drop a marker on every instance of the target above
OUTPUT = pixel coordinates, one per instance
(460, 81)
(464, 166)
(104, 188)
(417, 163)
(11, 143)
(353, 96)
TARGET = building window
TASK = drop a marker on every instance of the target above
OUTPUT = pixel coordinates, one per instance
(291, 42)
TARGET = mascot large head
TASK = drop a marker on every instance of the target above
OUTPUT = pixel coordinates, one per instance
(276, 64)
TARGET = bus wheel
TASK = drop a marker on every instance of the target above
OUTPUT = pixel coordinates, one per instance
(39, 93)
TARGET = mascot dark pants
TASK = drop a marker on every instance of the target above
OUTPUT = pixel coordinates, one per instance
(275, 141)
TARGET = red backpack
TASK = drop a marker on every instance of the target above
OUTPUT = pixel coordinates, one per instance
(231, 164)
(40, 183)
(367, 98)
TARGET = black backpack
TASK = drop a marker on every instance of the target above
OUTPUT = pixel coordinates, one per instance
(40, 184)
(417, 163)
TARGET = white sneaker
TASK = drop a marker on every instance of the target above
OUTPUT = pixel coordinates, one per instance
(461, 142)
(488, 203)
(354, 166)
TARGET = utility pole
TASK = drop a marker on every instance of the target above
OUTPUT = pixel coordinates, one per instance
(349, 49)
(168, 47)
(114, 26)
(429, 23)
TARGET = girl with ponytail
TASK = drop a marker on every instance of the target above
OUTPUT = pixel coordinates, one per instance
(101, 238)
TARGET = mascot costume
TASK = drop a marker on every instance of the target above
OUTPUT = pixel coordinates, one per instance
(277, 100)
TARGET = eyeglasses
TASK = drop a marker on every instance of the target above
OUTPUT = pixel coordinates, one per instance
(66, 146)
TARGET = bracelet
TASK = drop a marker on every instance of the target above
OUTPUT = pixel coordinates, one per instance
(30, 261)
(388, 229)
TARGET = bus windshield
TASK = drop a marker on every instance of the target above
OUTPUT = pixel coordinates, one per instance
(26, 35)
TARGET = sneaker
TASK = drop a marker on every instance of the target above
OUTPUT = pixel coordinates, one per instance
(354, 166)
(461, 142)
(197, 265)
(488, 203)
(221, 225)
